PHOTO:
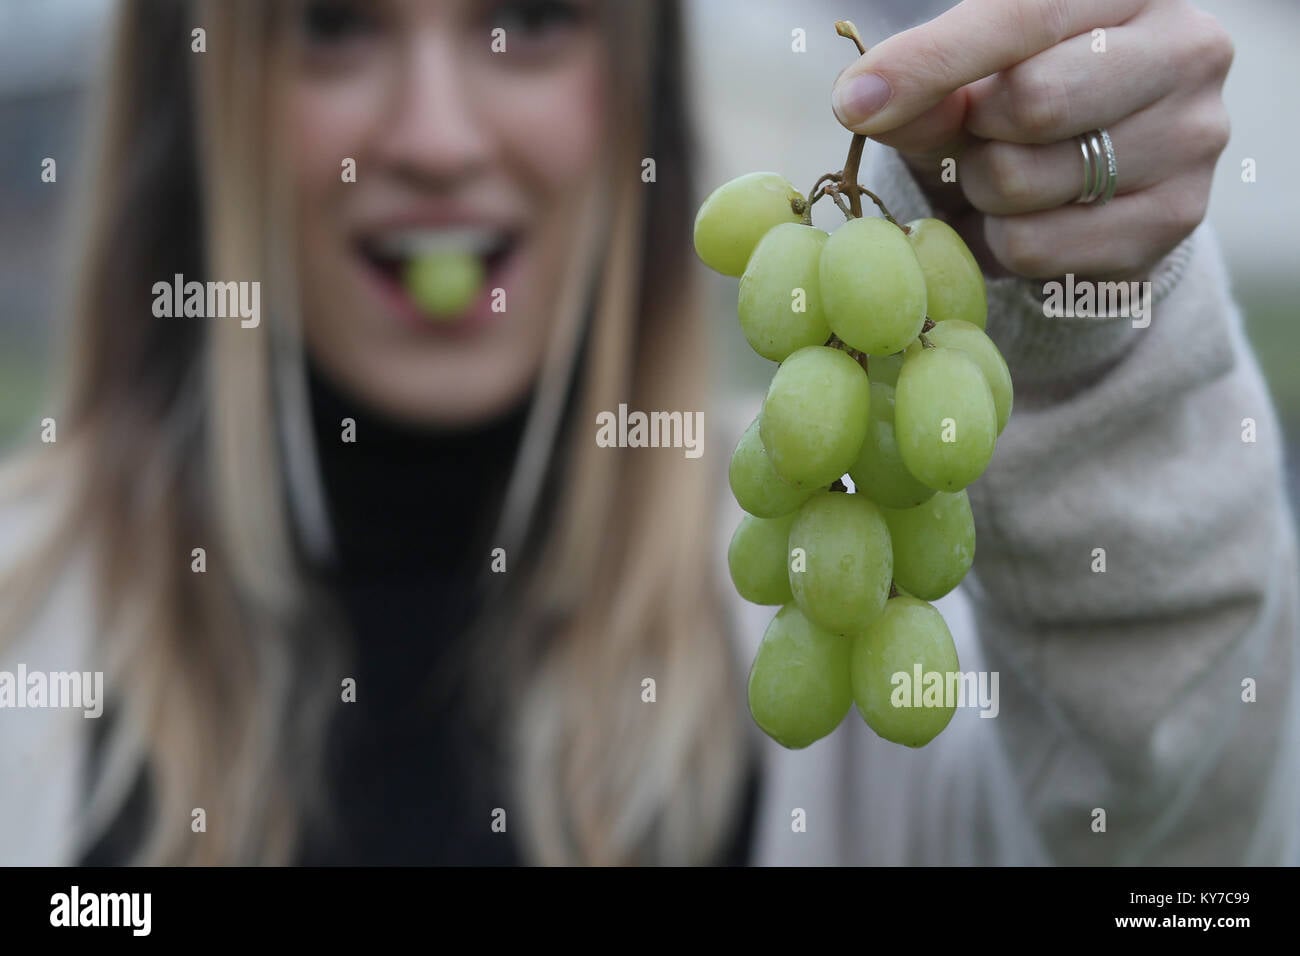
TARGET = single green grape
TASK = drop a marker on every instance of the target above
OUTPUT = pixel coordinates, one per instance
(956, 334)
(944, 418)
(799, 688)
(879, 472)
(884, 663)
(755, 483)
(758, 558)
(934, 544)
(814, 418)
(780, 306)
(873, 291)
(954, 284)
(738, 214)
(841, 562)
(445, 283)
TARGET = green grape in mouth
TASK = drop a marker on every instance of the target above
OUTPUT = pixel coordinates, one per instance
(847, 562)
(873, 291)
(738, 214)
(954, 284)
(814, 418)
(945, 421)
(758, 558)
(934, 544)
(879, 472)
(799, 688)
(908, 633)
(780, 300)
(757, 487)
(444, 283)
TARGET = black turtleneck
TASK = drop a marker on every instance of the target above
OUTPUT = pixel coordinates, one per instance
(411, 774)
(410, 767)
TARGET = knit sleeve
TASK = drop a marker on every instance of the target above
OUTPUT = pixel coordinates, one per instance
(1135, 579)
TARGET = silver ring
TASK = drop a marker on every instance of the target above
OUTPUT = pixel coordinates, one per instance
(1100, 168)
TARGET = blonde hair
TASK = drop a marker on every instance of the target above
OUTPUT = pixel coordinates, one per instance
(181, 434)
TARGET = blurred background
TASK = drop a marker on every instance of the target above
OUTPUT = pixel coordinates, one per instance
(749, 116)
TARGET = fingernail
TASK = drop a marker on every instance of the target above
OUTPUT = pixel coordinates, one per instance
(857, 99)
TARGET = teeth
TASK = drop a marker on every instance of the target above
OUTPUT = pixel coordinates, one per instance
(476, 240)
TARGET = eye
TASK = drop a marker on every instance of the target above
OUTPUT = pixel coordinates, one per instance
(534, 24)
(335, 22)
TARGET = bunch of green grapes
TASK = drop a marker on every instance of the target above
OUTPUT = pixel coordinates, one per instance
(885, 375)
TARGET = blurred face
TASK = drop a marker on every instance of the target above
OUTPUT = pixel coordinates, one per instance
(460, 151)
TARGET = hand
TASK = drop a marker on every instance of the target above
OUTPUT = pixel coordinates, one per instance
(1004, 86)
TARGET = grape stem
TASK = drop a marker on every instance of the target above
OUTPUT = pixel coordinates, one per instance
(844, 184)
(848, 179)
(835, 342)
(817, 191)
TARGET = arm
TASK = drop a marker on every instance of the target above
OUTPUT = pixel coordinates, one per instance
(1123, 689)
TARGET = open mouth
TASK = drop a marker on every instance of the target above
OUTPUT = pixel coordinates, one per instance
(389, 256)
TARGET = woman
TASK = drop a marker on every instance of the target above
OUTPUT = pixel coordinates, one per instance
(432, 621)
(199, 433)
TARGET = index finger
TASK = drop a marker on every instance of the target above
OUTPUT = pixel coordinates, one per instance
(974, 39)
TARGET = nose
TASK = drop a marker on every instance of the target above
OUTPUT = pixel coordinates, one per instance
(433, 134)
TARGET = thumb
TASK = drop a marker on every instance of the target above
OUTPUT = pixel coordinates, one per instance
(899, 81)
(910, 73)
(900, 99)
